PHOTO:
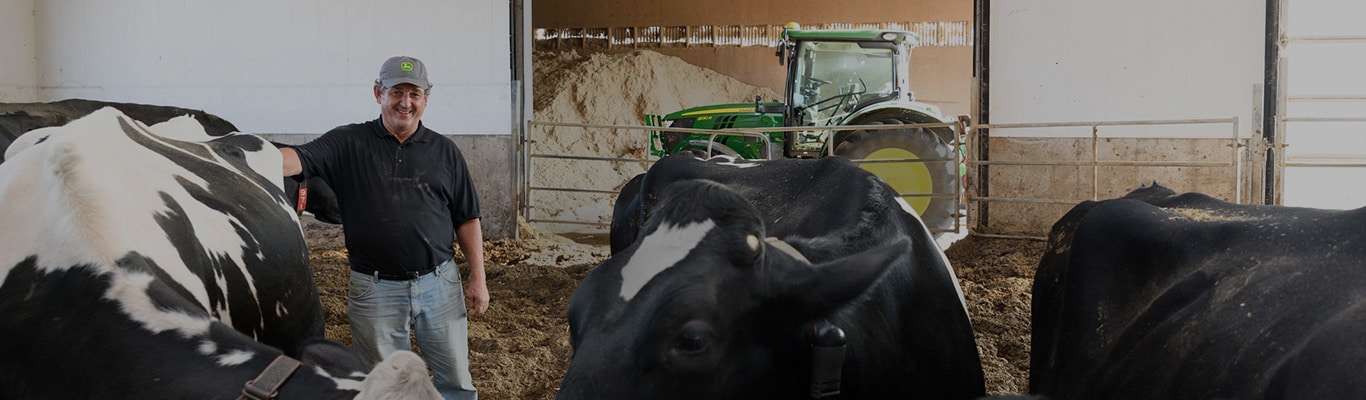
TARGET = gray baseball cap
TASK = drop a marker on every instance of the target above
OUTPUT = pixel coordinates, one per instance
(403, 69)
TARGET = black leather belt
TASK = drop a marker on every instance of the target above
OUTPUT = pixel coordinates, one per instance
(404, 276)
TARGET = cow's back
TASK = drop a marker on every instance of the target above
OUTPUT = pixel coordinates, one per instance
(17, 119)
(1189, 297)
(829, 204)
(106, 198)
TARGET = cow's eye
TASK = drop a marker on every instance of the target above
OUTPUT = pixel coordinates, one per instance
(695, 338)
(692, 342)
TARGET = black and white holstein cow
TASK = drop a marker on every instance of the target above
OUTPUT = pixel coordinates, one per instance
(19, 118)
(746, 278)
(16, 119)
(1163, 296)
(137, 266)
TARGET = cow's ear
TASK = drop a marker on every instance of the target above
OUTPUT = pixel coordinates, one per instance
(824, 288)
(781, 245)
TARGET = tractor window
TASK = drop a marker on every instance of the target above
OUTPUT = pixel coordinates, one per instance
(832, 77)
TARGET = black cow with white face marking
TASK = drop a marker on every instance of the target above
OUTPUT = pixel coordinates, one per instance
(1163, 296)
(16, 119)
(738, 265)
(133, 265)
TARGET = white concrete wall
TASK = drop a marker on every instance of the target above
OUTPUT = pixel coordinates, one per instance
(278, 66)
(18, 66)
(1088, 60)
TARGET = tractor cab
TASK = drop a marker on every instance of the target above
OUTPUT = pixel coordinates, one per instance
(835, 75)
(834, 78)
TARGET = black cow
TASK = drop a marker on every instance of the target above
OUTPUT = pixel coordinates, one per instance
(1163, 296)
(626, 213)
(19, 118)
(741, 267)
(133, 265)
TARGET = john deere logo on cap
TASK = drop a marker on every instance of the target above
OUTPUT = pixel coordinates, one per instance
(406, 66)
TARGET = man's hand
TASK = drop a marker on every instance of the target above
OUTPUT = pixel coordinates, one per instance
(477, 297)
(470, 236)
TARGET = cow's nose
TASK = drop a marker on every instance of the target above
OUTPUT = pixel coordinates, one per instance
(576, 386)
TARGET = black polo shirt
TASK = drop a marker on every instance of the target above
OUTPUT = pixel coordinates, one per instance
(400, 202)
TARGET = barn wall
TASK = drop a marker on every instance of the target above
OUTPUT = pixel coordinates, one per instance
(283, 66)
(939, 75)
(18, 68)
(1089, 60)
(288, 69)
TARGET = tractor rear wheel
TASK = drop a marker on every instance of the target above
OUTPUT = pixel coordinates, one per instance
(911, 177)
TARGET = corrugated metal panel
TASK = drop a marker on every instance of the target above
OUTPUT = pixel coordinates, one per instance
(932, 34)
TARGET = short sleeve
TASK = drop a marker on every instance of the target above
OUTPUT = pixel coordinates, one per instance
(464, 203)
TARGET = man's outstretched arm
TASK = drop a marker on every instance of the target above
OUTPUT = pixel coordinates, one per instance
(292, 166)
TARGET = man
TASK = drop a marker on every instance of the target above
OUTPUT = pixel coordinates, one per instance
(403, 189)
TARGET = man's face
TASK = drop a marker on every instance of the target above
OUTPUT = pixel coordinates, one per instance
(401, 106)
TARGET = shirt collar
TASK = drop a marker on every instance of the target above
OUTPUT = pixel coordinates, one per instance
(420, 136)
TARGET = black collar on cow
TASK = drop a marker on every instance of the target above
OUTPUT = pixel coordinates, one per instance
(267, 384)
(827, 358)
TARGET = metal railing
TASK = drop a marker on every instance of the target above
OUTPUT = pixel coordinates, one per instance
(975, 162)
(1336, 161)
(1327, 39)
(1284, 136)
(528, 190)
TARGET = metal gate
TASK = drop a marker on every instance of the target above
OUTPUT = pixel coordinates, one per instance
(1320, 121)
(1020, 185)
(586, 205)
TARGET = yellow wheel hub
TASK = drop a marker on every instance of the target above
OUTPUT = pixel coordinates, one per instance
(904, 177)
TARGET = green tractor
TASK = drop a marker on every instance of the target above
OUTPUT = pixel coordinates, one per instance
(837, 78)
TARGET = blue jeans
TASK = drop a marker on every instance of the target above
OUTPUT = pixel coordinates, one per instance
(433, 306)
